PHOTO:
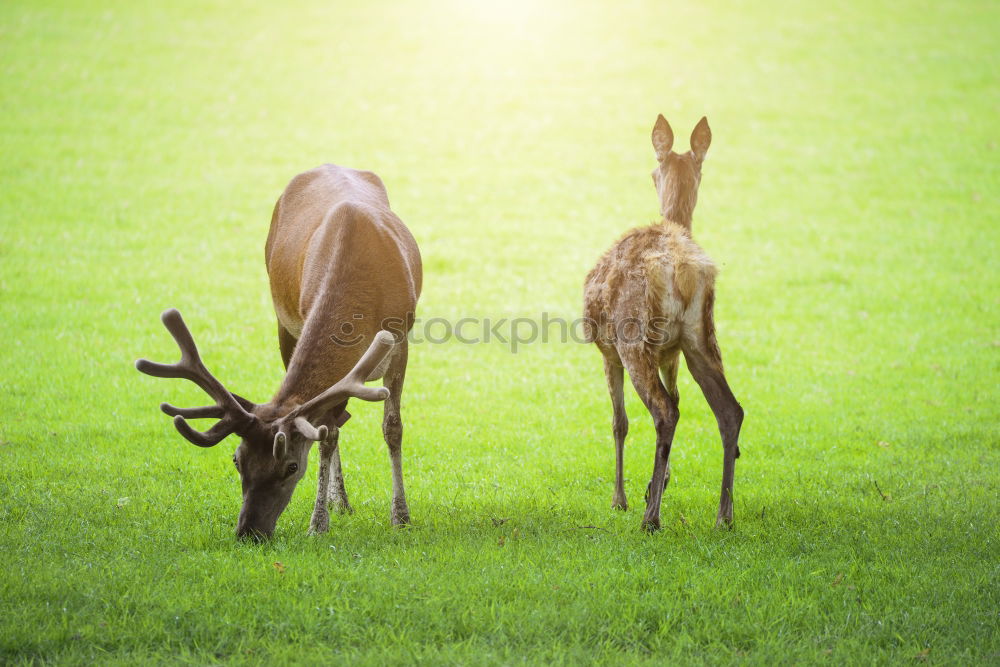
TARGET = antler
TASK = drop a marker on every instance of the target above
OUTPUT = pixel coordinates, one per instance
(351, 386)
(230, 410)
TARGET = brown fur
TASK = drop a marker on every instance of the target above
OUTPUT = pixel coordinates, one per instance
(342, 266)
(649, 298)
(659, 262)
(344, 269)
(336, 250)
(708, 327)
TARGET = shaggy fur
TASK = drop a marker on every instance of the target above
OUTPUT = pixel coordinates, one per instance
(651, 297)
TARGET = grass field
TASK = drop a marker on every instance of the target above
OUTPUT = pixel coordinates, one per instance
(850, 197)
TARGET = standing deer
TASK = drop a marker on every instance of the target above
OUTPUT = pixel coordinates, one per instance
(343, 268)
(651, 297)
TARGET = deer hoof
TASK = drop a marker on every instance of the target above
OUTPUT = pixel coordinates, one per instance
(651, 525)
(341, 507)
(400, 516)
(319, 524)
(619, 503)
(724, 523)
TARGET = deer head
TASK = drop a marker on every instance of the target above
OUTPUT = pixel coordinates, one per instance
(678, 175)
(272, 456)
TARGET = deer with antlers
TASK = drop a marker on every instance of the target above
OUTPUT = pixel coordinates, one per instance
(345, 276)
(651, 297)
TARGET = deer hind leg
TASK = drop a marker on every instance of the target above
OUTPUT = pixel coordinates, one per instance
(615, 374)
(392, 429)
(644, 373)
(668, 373)
(704, 360)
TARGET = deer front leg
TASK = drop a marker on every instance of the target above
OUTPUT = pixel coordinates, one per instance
(330, 486)
(337, 497)
(320, 521)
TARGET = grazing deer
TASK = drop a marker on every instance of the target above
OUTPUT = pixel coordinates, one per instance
(343, 269)
(651, 297)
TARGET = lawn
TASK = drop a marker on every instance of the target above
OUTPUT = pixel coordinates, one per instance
(850, 198)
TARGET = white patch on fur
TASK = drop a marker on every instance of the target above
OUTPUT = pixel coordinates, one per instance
(679, 273)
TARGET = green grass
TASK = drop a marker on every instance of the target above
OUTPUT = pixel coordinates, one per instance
(850, 197)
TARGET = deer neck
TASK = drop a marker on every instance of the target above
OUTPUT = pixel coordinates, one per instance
(679, 210)
(318, 361)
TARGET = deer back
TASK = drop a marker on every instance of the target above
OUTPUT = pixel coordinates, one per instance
(342, 267)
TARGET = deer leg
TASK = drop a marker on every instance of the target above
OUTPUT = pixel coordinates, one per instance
(286, 343)
(668, 373)
(645, 378)
(320, 521)
(705, 363)
(392, 430)
(336, 498)
(615, 374)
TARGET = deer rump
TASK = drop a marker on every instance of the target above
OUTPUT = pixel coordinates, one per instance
(658, 281)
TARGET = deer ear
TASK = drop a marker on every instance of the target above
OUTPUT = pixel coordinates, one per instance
(663, 138)
(701, 138)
